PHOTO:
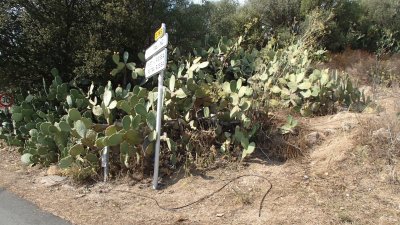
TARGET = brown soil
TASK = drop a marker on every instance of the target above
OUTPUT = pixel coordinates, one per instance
(337, 182)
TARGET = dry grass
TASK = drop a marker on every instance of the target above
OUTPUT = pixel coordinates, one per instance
(380, 140)
(366, 68)
(277, 146)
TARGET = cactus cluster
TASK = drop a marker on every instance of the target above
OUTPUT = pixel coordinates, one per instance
(289, 80)
(219, 88)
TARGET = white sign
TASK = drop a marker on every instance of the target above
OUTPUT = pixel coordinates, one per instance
(156, 47)
(156, 64)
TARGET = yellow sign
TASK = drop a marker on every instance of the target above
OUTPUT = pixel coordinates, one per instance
(160, 32)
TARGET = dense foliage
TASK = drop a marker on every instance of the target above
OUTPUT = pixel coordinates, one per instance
(211, 100)
(216, 87)
(79, 37)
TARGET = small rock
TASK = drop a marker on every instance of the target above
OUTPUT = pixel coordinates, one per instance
(328, 132)
(305, 177)
(347, 126)
(312, 138)
(220, 215)
(53, 170)
(341, 208)
(52, 180)
(381, 133)
(80, 195)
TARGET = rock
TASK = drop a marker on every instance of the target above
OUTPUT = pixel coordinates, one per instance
(312, 138)
(52, 180)
(381, 133)
(53, 170)
(328, 132)
(220, 215)
(347, 126)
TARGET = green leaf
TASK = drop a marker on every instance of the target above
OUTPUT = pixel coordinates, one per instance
(44, 127)
(80, 128)
(120, 66)
(300, 77)
(180, 93)
(242, 91)
(264, 76)
(234, 111)
(92, 158)
(206, 112)
(133, 137)
(113, 104)
(53, 129)
(233, 86)
(76, 150)
(306, 94)
(100, 142)
(171, 145)
(136, 121)
(115, 58)
(292, 86)
(250, 149)
(141, 57)
(226, 87)
(111, 130)
(152, 135)
(239, 84)
(66, 162)
(126, 122)
(140, 109)
(139, 72)
(107, 97)
(324, 79)
(114, 139)
(244, 142)
(172, 83)
(17, 117)
(151, 120)
(26, 159)
(203, 64)
(97, 110)
(90, 139)
(305, 85)
(54, 72)
(114, 72)
(235, 98)
(69, 101)
(124, 148)
(74, 114)
(131, 66)
(33, 133)
(275, 89)
(29, 98)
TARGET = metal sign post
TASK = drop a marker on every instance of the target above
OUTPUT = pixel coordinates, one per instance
(156, 62)
(6, 101)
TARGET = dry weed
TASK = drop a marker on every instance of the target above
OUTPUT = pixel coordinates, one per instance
(366, 68)
(380, 138)
(275, 145)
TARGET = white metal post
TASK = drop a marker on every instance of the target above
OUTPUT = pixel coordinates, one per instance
(105, 161)
(160, 97)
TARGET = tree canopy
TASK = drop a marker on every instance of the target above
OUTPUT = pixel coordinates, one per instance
(78, 37)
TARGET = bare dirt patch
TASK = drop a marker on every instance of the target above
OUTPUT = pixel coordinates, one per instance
(339, 181)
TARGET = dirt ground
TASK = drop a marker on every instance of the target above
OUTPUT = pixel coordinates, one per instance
(339, 181)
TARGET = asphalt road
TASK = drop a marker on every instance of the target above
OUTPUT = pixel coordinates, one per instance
(17, 211)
